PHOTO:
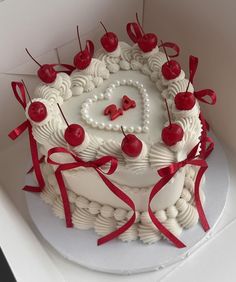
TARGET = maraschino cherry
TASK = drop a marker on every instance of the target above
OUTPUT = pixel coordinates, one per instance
(172, 133)
(46, 72)
(186, 100)
(109, 40)
(146, 41)
(170, 69)
(37, 111)
(131, 145)
(83, 59)
(74, 133)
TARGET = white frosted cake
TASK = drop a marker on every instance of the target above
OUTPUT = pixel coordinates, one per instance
(120, 99)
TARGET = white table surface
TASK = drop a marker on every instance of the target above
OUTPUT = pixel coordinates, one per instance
(213, 261)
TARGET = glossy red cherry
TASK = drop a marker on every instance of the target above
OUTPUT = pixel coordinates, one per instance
(46, 72)
(37, 111)
(172, 134)
(109, 40)
(74, 135)
(148, 42)
(83, 59)
(184, 101)
(171, 69)
(131, 145)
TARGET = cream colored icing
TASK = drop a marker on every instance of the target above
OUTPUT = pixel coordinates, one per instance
(63, 84)
(83, 219)
(104, 225)
(105, 219)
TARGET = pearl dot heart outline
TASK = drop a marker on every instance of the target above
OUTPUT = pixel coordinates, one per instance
(144, 127)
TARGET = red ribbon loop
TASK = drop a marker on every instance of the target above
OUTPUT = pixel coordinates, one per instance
(166, 174)
(134, 32)
(172, 46)
(193, 63)
(77, 162)
(21, 98)
(68, 68)
(202, 94)
(90, 47)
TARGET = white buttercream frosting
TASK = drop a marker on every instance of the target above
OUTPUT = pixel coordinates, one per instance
(111, 148)
(63, 84)
(161, 156)
(51, 111)
(179, 86)
(188, 215)
(51, 94)
(104, 225)
(129, 235)
(148, 234)
(49, 195)
(83, 219)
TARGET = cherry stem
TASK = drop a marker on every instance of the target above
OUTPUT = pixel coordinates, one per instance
(27, 51)
(163, 46)
(122, 129)
(137, 19)
(187, 86)
(168, 111)
(80, 46)
(63, 115)
(103, 26)
(26, 90)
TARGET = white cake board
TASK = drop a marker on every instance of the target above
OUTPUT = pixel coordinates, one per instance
(133, 257)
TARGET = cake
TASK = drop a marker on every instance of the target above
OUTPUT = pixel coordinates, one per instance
(123, 140)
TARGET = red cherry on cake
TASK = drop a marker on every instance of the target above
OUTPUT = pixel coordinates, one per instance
(131, 145)
(46, 72)
(74, 135)
(109, 40)
(83, 59)
(173, 133)
(148, 42)
(37, 111)
(184, 101)
(171, 69)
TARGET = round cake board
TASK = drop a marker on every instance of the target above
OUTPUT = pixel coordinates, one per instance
(133, 257)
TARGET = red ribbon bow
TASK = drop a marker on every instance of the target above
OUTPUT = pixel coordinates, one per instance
(202, 94)
(68, 68)
(21, 98)
(172, 46)
(96, 166)
(166, 174)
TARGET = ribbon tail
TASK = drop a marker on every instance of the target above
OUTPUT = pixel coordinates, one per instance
(125, 198)
(41, 160)
(198, 203)
(17, 131)
(160, 184)
(32, 189)
(64, 196)
(36, 164)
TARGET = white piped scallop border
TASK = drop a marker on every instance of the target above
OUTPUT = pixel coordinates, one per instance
(105, 219)
(145, 119)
